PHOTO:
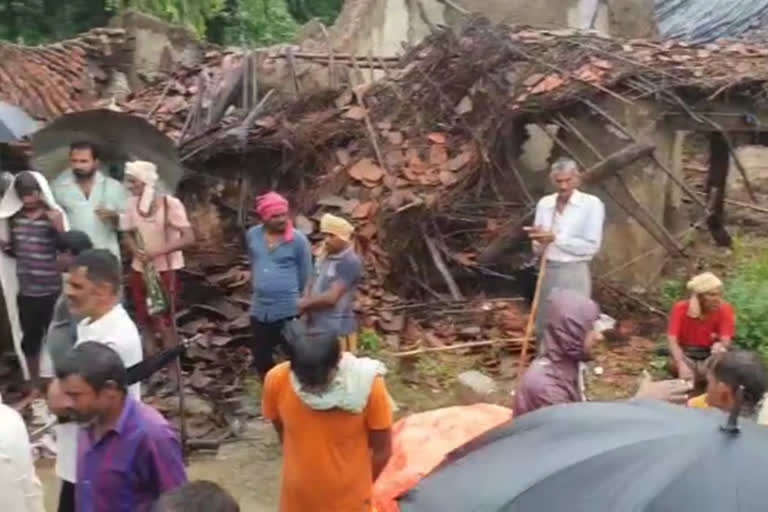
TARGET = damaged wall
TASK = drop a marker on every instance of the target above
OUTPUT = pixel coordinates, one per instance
(384, 27)
(624, 238)
(159, 47)
(381, 26)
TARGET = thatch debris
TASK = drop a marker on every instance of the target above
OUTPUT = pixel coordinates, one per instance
(418, 160)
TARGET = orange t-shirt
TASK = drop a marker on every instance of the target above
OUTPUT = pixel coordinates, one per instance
(326, 455)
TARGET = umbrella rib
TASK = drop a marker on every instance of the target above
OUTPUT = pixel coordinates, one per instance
(592, 456)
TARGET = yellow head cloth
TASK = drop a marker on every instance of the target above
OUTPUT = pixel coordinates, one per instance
(334, 225)
(702, 283)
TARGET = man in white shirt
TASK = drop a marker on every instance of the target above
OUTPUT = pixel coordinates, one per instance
(567, 231)
(20, 489)
(92, 290)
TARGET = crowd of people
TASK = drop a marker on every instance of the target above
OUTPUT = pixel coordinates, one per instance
(61, 274)
(567, 233)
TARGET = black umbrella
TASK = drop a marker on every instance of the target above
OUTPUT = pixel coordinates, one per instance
(604, 457)
(119, 136)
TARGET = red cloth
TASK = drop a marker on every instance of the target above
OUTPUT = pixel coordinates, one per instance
(139, 294)
(701, 332)
(271, 204)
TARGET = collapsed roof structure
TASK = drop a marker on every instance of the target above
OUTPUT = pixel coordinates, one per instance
(439, 156)
(67, 76)
(443, 132)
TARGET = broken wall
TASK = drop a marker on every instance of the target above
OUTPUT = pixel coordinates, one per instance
(160, 48)
(624, 237)
(382, 26)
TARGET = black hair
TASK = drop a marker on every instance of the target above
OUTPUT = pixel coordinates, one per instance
(198, 496)
(74, 242)
(96, 363)
(313, 358)
(83, 145)
(737, 368)
(25, 184)
(101, 266)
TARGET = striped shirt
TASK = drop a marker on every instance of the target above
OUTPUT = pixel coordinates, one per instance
(131, 465)
(33, 242)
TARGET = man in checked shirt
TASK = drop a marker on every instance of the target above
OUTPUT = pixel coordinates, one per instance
(127, 453)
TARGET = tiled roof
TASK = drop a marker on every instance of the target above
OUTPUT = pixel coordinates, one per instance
(47, 81)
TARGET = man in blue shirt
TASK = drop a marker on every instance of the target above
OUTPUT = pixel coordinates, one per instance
(330, 307)
(281, 264)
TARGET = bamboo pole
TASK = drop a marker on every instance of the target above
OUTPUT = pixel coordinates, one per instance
(532, 317)
(457, 346)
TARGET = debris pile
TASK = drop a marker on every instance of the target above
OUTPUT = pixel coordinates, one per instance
(424, 160)
(420, 159)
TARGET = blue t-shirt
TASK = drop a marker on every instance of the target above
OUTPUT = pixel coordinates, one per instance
(279, 274)
(339, 320)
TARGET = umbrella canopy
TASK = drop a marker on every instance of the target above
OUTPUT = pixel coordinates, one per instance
(119, 136)
(608, 457)
(15, 123)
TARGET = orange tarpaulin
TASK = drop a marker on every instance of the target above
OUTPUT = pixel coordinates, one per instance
(421, 441)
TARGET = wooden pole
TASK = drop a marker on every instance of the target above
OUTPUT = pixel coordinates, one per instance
(457, 346)
(532, 317)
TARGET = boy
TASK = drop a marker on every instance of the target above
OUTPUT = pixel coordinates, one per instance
(33, 235)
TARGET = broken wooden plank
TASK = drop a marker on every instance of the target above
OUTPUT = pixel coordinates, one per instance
(459, 346)
(717, 178)
(664, 167)
(613, 163)
(439, 262)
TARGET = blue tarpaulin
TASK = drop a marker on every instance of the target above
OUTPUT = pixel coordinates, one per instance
(702, 21)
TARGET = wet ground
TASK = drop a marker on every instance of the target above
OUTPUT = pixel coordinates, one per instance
(249, 469)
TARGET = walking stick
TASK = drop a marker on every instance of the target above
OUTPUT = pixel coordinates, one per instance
(177, 366)
(532, 316)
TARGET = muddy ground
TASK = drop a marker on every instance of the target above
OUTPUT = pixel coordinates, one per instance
(250, 468)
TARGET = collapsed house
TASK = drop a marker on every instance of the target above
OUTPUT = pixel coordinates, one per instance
(439, 163)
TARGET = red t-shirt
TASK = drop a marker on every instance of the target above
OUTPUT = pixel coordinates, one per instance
(701, 332)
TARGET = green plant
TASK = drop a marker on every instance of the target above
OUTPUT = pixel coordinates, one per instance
(671, 291)
(747, 291)
(369, 340)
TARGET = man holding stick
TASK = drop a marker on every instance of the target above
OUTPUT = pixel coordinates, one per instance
(566, 234)
(157, 231)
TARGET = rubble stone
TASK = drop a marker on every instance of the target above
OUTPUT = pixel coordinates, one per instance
(475, 386)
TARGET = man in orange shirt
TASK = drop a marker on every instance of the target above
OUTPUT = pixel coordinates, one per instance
(333, 415)
(699, 327)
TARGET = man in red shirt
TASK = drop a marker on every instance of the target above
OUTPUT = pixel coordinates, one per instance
(698, 327)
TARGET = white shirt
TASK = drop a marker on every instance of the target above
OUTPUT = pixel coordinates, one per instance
(117, 330)
(578, 229)
(20, 489)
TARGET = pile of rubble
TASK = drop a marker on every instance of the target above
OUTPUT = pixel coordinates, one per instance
(423, 161)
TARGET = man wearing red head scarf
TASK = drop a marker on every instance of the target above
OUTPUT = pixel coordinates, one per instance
(281, 264)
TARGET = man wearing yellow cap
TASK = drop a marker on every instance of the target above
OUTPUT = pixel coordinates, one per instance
(329, 307)
(700, 326)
